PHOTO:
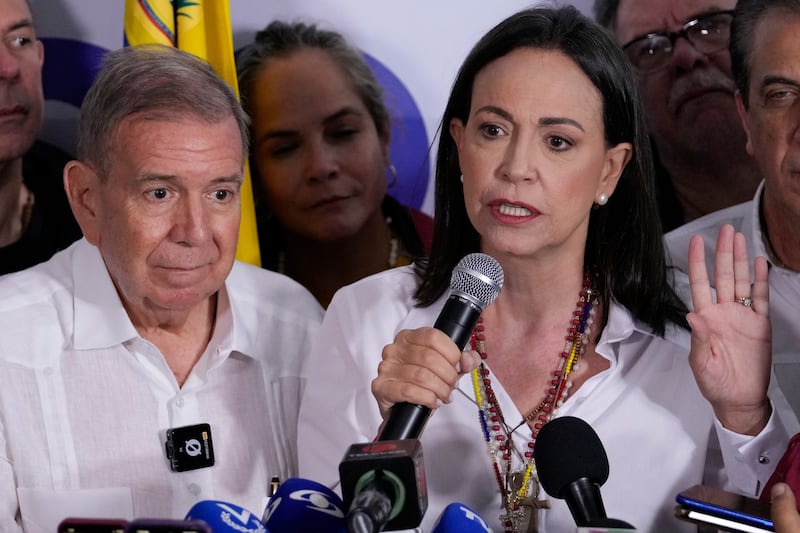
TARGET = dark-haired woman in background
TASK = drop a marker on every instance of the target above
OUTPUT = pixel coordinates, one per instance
(320, 160)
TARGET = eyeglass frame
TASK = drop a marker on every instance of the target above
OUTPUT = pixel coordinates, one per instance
(673, 36)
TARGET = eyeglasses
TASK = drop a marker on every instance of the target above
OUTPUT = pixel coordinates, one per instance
(707, 33)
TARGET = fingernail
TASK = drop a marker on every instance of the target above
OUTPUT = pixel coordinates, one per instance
(778, 490)
(458, 367)
(439, 403)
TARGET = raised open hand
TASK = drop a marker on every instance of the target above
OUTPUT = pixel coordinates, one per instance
(731, 340)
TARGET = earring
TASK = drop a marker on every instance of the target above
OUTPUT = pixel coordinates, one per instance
(602, 199)
(393, 171)
(461, 178)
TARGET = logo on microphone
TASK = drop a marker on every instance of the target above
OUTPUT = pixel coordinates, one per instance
(218, 514)
(319, 502)
(189, 447)
(192, 447)
(378, 447)
(243, 519)
(472, 516)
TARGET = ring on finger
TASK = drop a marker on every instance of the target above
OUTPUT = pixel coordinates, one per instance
(747, 302)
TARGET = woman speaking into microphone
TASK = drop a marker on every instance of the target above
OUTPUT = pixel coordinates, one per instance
(544, 164)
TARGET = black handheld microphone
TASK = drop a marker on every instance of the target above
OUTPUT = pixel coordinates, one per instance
(383, 483)
(474, 285)
(572, 465)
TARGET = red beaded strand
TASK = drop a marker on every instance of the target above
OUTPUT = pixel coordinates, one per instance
(497, 433)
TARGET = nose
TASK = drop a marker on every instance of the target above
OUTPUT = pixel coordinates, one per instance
(321, 162)
(190, 225)
(9, 63)
(685, 56)
(518, 163)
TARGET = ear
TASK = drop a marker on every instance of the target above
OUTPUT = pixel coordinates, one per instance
(82, 185)
(456, 131)
(745, 118)
(616, 159)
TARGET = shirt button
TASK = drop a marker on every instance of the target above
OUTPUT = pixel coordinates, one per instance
(194, 488)
(763, 459)
(179, 401)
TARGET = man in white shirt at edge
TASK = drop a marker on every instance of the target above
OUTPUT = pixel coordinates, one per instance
(765, 39)
(148, 323)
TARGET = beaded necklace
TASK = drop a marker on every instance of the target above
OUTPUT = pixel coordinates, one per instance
(520, 490)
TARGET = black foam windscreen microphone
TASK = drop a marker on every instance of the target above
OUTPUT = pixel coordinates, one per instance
(474, 285)
(572, 465)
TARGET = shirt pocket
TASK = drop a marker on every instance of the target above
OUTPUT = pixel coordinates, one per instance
(43, 509)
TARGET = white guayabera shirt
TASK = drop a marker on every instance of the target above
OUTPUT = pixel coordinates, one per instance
(85, 402)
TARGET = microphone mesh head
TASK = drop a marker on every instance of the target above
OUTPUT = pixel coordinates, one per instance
(568, 449)
(478, 277)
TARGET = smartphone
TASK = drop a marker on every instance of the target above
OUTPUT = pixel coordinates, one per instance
(91, 525)
(725, 510)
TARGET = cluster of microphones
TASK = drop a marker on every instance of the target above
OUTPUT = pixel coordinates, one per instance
(571, 461)
(299, 506)
(383, 482)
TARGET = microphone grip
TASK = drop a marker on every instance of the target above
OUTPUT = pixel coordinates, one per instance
(406, 421)
(585, 502)
(457, 320)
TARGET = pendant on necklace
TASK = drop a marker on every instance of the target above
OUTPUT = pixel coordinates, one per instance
(523, 513)
(516, 479)
(532, 504)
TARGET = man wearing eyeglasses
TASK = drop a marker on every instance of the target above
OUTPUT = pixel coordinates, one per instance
(678, 49)
(765, 60)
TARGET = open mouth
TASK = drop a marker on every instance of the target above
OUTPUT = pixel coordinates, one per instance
(514, 210)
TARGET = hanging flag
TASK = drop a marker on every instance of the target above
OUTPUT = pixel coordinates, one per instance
(202, 27)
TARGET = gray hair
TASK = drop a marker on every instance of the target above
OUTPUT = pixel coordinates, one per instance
(281, 39)
(157, 82)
